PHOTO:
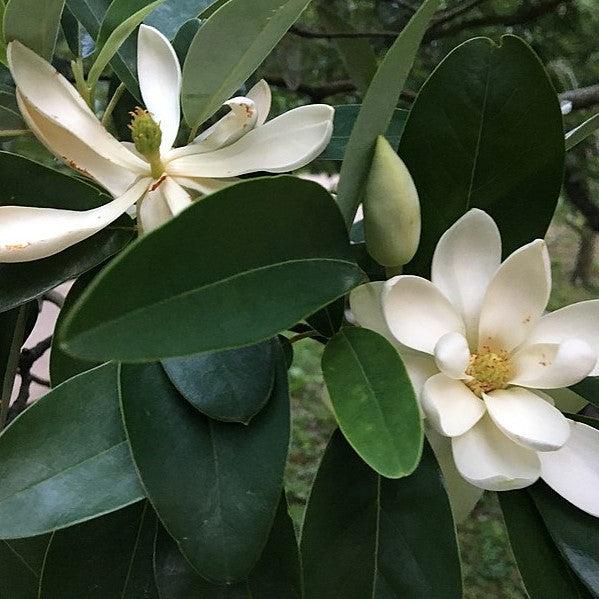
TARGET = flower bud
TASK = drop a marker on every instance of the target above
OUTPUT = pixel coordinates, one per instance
(391, 209)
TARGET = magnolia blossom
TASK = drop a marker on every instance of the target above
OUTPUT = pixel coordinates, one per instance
(484, 357)
(150, 171)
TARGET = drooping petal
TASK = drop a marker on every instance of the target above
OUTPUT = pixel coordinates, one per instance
(417, 313)
(553, 365)
(367, 309)
(284, 144)
(176, 197)
(452, 355)
(490, 460)
(261, 95)
(463, 496)
(33, 233)
(58, 101)
(515, 298)
(159, 82)
(420, 367)
(579, 321)
(573, 470)
(153, 211)
(527, 419)
(205, 186)
(78, 155)
(465, 260)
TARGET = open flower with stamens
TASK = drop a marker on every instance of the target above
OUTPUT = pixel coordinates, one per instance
(480, 351)
(162, 180)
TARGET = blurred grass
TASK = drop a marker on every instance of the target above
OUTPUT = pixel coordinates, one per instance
(488, 565)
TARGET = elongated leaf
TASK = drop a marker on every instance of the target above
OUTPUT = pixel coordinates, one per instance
(328, 320)
(214, 485)
(65, 459)
(378, 107)
(589, 389)
(170, 16)
(256, 28)
(497, 145)
(374, 401)
(213, 6)
(3, 59)
(366, 536)
(71, 31)
(277, 574)
(580, 133)
(541, 566)
(231, 385)
(11, 123)
(104, 558)
(184, 37)
(234, 266)
(21, 563)
(27, 183)
(35, 23)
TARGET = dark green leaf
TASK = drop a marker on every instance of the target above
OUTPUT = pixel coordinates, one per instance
(215, 67)
(65, 459)
(105, 558)
(276, 576)
(378, 108)
(27, 183)
(541, 566)
(89, 13)
(366, 536)
(234, 266)
(11, 121)
(21, 563)
(184, 38)
(231, 385)
(345, 117)
(374, 401)
(70, 29)
(589, 389)
(33, 23)
(214, 485)
(497, 144)
(170, 17)
(328, 320)
(213, 6)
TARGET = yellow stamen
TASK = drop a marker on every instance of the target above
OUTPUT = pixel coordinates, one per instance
(489, 371)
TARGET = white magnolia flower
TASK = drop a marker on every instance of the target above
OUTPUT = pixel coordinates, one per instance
(479, 350)
(151, 170)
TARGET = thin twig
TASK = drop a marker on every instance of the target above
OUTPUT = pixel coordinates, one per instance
(118, 92)
(305, 335)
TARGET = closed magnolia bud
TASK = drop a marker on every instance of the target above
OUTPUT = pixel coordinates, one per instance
(391, 209)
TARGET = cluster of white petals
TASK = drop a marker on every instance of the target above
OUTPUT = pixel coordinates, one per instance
(242, 142)
(484, 358)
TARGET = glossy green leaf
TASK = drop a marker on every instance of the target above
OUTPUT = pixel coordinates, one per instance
(11, 123)
(345, 118)
(374, 401)
(184, 37)
(213, 6)
(105, 558)
(62, 365)
(497, 145)
(3, 59)
(231, 385)
(276, 575)
(27, 183)
(367, 536)
(35, 23)
(21, 562)
(65, 459)
(541, 566)
(71, 31)
(215, 68)
(328, 320)
(589, 389)
(214, 485)
(170, 16)
(89, 13)
(235, 266)
(574, 532)
(378, 107)
(580, 133)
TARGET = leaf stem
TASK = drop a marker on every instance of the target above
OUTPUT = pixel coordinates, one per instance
(14, 132)
(86, 90)
(304, 335)
(118, 92)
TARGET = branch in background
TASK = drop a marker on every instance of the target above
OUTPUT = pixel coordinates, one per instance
(585, 97)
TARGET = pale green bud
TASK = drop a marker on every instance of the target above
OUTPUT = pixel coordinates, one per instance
(391, 209)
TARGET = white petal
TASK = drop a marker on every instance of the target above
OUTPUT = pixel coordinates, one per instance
(205, 186)
(261, 95)
(463, 496)
(452, 355)
(33, 233)
(417, 313)
(553, 365)
(56, 99)
(515, 298)
(420, 368)
(580, 321)
(176, 197)
(527, 419)
(451, 407)
(366, 306)
(465, 260)
(573, 470)
(153, 211)
(284, 144)
(159, 82)
(78, 155)
(485, 457)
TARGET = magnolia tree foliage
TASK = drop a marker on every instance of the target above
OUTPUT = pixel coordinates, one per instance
(154, 466)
